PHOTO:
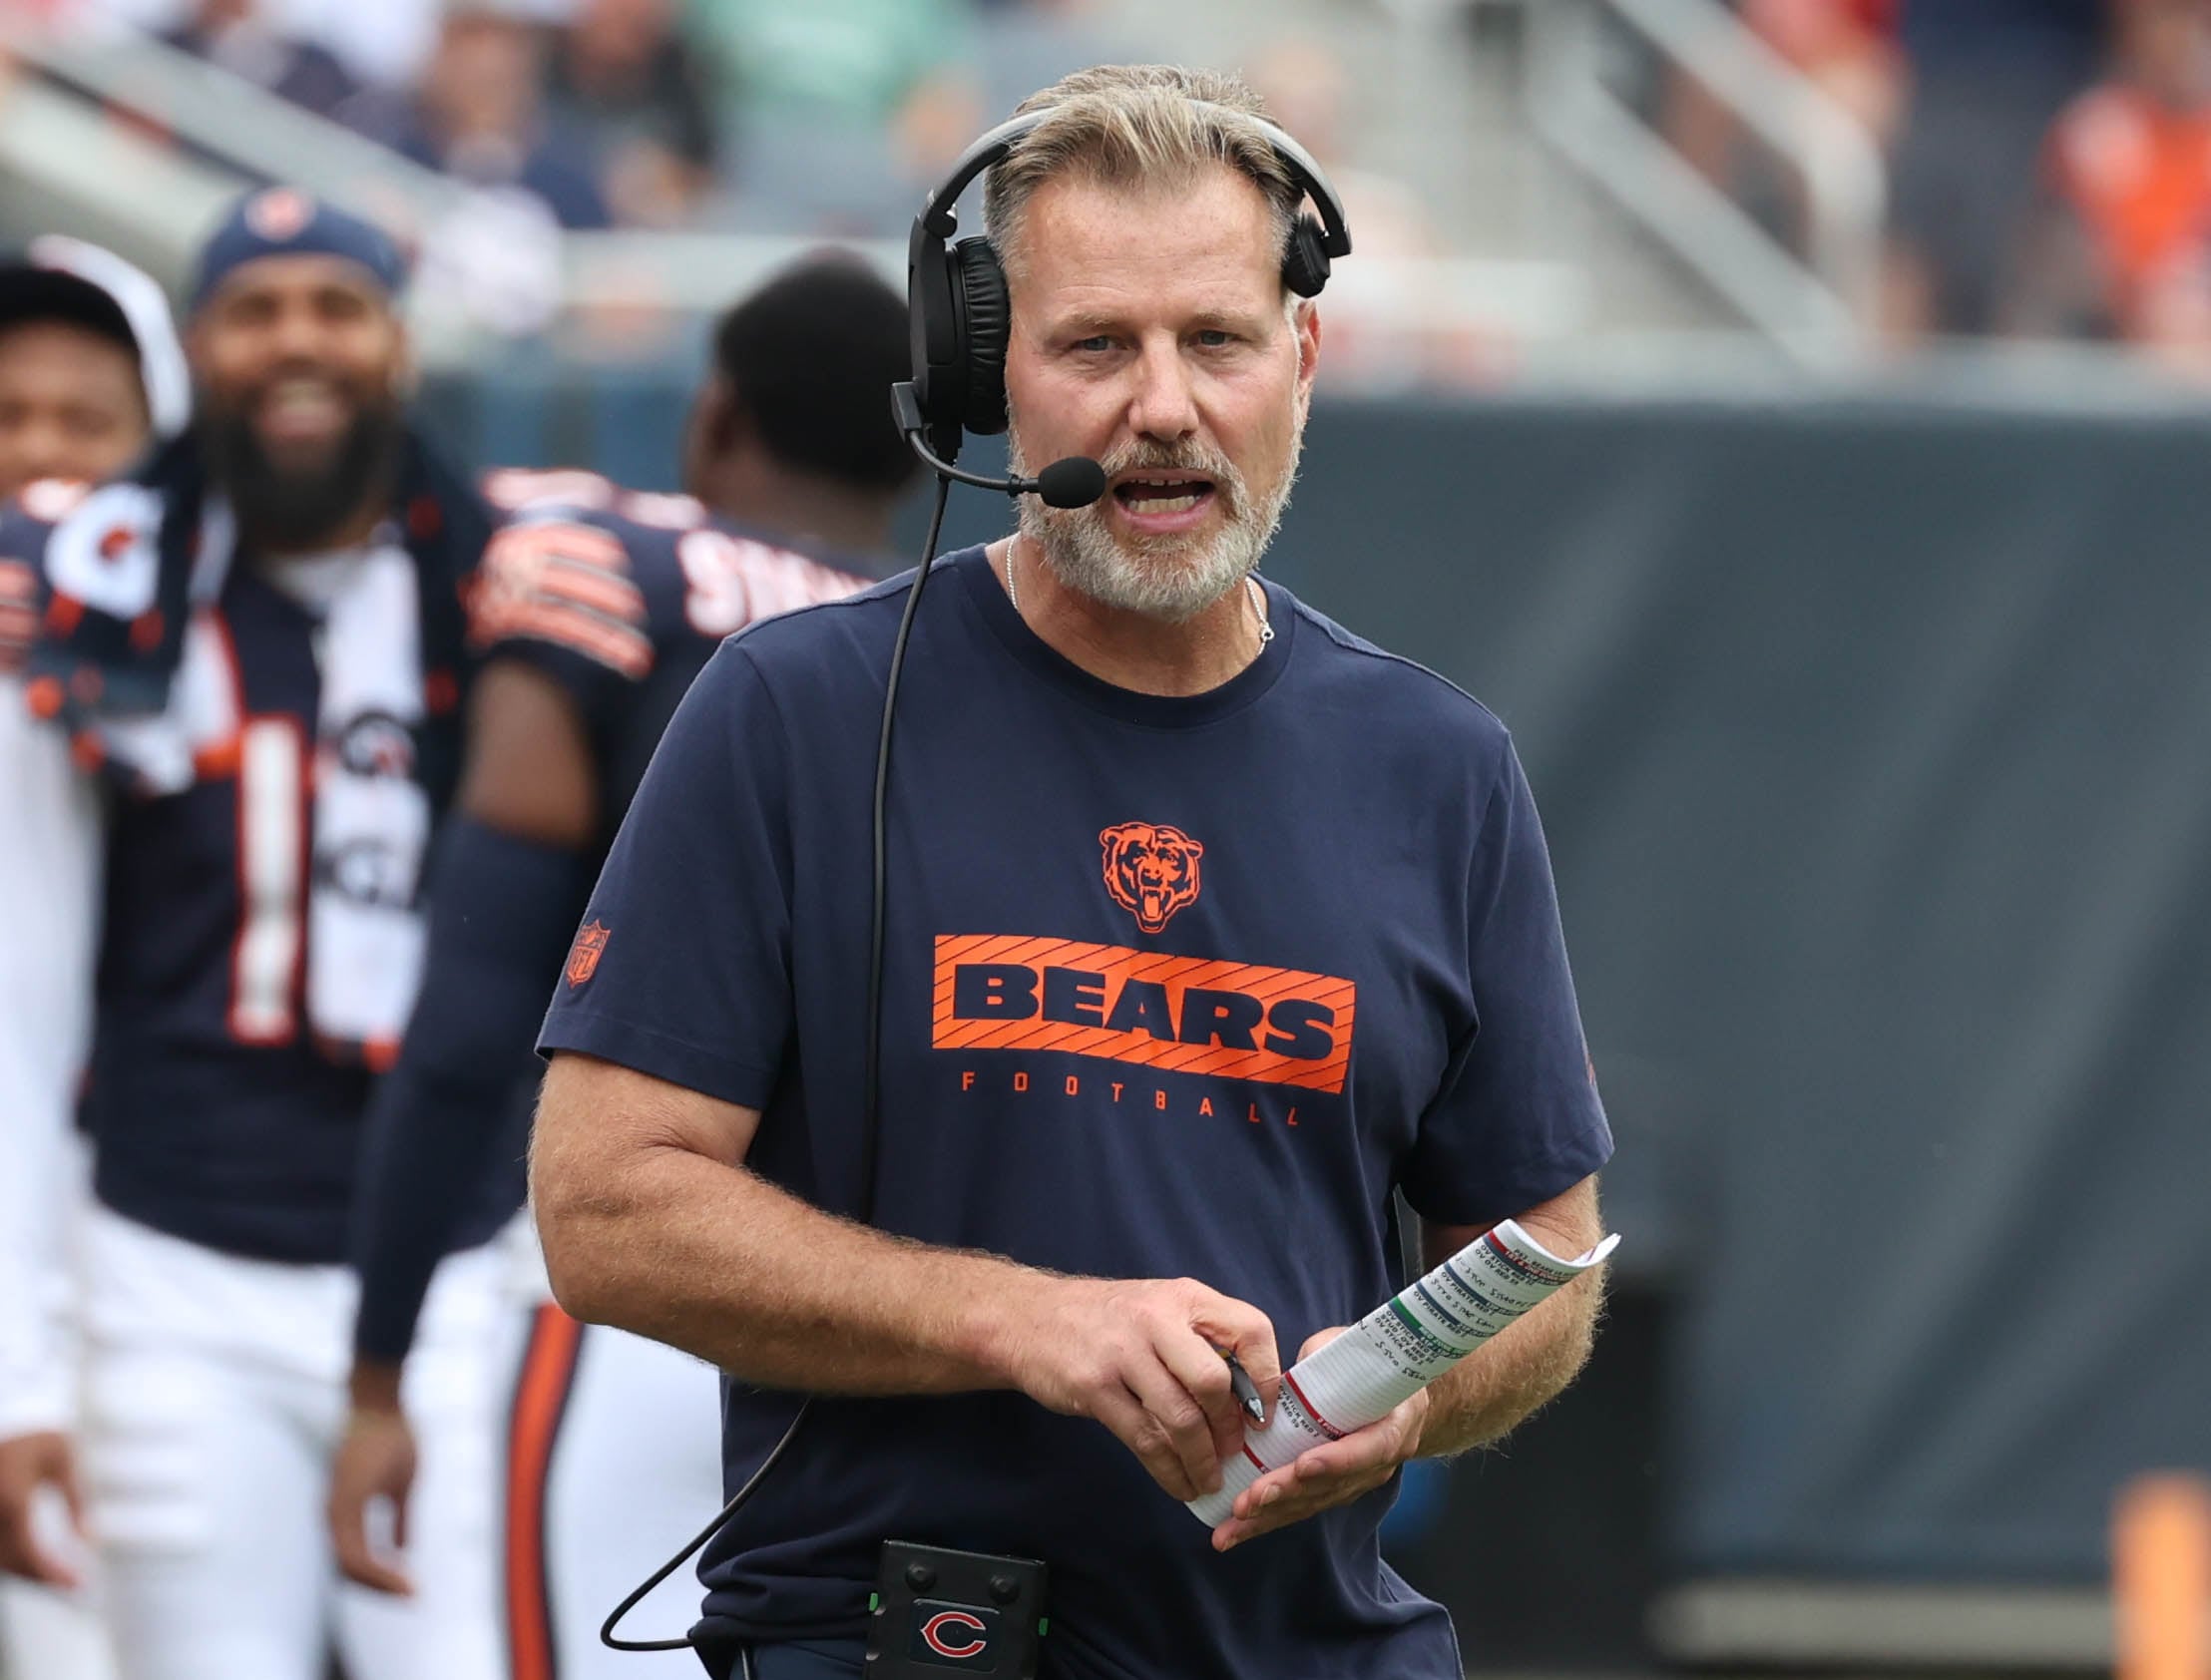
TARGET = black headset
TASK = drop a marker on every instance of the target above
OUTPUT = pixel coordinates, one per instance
(956, 304)
(956, 298)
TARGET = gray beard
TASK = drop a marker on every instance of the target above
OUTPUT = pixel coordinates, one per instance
(1175, 578)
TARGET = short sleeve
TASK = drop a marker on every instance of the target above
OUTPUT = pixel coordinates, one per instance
(1517, 1120)
(682, 968)
(557, 594)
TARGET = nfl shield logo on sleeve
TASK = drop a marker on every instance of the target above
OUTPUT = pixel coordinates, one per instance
(583, 958)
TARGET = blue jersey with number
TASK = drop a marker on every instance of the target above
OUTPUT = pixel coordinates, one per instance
(1172, 987)
(217, 1114)
(620, 597)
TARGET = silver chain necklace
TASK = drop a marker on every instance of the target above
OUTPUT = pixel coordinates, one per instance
(1256, 596)
(1259, 609)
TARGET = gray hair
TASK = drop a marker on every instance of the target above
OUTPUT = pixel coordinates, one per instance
(1125, 124)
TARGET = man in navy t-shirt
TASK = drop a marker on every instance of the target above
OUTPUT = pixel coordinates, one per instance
(1208, 926)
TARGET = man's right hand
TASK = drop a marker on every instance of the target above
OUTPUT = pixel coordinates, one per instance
(1143, 1358)
(375, 1464)
(29, 1462)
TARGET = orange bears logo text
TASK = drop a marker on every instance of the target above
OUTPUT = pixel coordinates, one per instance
(1180, 1014)
(1152, 870)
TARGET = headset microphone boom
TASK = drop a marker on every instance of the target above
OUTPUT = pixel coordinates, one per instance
(1073, 482)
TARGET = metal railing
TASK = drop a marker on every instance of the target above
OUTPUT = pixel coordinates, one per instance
(183, 120)
(1400, 322)
(1820, 307)
(228, 119)
(122, 187)
(1817, 308)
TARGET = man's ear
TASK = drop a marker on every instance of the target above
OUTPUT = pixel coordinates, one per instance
(1305, 324)
(718, 416)
(714, 432)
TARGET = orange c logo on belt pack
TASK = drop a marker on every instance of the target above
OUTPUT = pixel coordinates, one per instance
(1152, 870)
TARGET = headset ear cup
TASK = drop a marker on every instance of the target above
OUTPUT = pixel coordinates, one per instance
(986, 317)
(940, 353)
(1305, 263)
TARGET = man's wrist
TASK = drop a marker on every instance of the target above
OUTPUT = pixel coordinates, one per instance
(991, 1322)
(374, 1385)
(1426, 1426)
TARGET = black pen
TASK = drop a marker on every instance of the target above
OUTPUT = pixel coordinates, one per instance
(1245, 1390)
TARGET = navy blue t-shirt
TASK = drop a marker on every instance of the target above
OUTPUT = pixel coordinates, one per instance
(1172, 987)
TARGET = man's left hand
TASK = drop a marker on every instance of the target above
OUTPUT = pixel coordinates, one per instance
(1332, 1475)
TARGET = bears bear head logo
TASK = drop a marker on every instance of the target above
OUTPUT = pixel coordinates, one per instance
(1150, 870)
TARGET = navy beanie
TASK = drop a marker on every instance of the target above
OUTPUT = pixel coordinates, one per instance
(284, 222)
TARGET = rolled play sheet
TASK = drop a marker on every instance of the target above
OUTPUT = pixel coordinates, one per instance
(1399, 1349)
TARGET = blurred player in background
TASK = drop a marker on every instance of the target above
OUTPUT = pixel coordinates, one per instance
(90, 371)
(90, 366)
(2118, 246)
(258, 634)
(594, 617)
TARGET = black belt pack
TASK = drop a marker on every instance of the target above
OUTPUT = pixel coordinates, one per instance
(936, 1613)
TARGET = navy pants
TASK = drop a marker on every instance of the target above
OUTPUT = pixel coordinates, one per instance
(806, 1659)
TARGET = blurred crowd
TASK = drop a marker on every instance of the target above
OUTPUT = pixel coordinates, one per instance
(734, 114)
(827, 119)
(2049, 161)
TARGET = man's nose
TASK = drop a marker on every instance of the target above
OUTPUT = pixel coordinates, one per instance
(297, 335)
(43, 448)
(1164, 405)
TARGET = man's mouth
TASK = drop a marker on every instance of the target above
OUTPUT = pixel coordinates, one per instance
(301, 408)
(1161, 495)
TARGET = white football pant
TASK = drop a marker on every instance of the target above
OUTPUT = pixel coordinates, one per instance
(50, 1635)
(614, 1462)
(214, 1397)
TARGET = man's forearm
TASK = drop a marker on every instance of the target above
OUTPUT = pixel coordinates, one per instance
(647, 1224)
(716, 1261)
(1517, 1372)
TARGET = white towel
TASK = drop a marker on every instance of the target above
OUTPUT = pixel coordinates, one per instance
(103, 553)
(362, 929)
(371, 815)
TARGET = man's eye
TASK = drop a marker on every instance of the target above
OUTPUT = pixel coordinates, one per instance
(1095, 344)
(1213, 338)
